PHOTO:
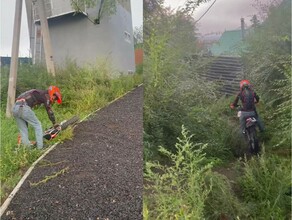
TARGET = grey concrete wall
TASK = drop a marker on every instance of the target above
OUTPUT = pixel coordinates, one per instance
(122, 30)
(60, 7)
(77, 38)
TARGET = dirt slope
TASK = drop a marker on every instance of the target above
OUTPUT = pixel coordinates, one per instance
(98, 175)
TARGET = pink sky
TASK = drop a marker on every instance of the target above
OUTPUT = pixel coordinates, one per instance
(224, 14)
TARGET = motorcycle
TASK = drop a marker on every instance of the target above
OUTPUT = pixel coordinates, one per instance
(251, 133)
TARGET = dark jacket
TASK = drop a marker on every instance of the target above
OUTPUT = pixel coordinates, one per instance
(37, 97)
(248, 99)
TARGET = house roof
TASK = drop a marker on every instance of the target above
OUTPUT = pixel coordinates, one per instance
(230, 43)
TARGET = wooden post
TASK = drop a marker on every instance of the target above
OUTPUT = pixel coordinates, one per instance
(46, 37)
(14, 59)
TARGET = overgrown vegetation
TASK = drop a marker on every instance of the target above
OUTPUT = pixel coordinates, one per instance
(179, 190)
(83, 91)
(175, 95)
(187, 188)
(266, 186)
(173, 87)
(268, 65)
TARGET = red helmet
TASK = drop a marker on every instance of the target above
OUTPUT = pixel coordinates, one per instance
(54, 90)
(244, 83)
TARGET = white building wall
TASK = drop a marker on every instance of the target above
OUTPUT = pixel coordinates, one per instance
(77, 38)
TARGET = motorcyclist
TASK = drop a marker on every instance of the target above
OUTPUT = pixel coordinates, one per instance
(22, 112)
(248, 99)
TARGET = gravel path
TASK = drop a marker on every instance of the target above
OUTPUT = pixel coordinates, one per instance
(98, 174)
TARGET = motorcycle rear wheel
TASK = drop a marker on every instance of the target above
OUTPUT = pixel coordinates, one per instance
(253, 141)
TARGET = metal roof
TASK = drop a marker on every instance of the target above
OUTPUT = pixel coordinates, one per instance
(229, 44)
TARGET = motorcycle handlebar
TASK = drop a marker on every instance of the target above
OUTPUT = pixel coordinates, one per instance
(237, 107)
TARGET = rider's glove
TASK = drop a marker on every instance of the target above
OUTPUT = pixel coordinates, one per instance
(232, 106)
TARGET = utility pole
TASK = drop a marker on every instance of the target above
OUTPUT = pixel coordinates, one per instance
(14, 59)
(46, 37)
(242, 28)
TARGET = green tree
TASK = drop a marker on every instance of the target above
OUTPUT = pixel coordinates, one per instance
(106, 7)
(268, 64)
(191, 5)
(254, 21)
(172, 84)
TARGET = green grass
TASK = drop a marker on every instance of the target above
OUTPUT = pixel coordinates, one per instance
(84, 90)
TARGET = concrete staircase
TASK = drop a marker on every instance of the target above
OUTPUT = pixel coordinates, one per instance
(227, 72)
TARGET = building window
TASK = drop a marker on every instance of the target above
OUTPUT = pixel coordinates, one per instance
(127, 36)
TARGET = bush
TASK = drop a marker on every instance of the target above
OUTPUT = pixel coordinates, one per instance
(178, 190)
(265, 183)
(214, 123)
(222, 202)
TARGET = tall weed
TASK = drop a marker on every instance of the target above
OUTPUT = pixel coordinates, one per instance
(14, 159)
(178, 190)
(279, 118)
(222, 202)
(26, 72)
(206, 123)
(266, 184)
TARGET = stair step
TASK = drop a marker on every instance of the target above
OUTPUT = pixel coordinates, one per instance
(224, 75)
(227, 72)
(225, 68)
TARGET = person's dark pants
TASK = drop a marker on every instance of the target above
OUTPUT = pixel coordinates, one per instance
(244, 115)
